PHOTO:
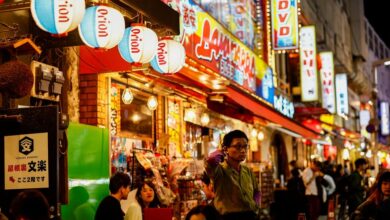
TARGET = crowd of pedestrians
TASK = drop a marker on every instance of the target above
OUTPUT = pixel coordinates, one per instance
(324, 190)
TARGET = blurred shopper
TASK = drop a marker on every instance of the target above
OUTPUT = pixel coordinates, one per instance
(341, 180)
(29, 205)
(110, 207)
(313, 191)
(295, 195)
(145, 198)
(377, 205)
(203, 212)
(236, 189)
(356, 189)
(207, 189)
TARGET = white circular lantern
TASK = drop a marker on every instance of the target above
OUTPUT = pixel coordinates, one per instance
(138, 45)
(57, 17)
(102, 27)
(170, 57)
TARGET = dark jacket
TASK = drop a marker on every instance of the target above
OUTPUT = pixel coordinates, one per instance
(369, 210)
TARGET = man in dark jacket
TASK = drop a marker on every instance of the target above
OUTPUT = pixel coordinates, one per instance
(110, 207)
(356, 189)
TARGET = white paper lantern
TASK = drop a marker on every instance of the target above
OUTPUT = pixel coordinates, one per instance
(102, 27)
(138, 45)
(57, 17)
(170, 57)
(152, 103)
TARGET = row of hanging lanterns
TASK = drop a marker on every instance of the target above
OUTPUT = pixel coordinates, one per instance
(103, 27)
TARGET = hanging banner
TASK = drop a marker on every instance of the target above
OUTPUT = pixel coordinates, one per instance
(342, 94)
(284, 24)
(308, 64)
(26, 161)
(327, 82)
(384, 108)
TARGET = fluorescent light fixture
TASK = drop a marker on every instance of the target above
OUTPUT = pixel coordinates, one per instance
(386, 63)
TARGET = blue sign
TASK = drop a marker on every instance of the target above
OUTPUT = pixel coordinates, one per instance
(265, 89)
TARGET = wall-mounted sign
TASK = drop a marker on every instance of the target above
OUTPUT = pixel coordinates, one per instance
(342, 94)
(284, 24)
(26, 161)
(210, 44)
(265, 86)
(284, 106)
(308, 63)
(385, 125)
(327, 82)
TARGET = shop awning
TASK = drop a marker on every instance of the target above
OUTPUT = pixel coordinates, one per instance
(264, 111)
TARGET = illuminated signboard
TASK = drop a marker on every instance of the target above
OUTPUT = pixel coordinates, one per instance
(284, 106)
(308, 63)
(342, 94)
(210, 44)
(265, 86)
(284, 24)
(384, 108)
(327, 82)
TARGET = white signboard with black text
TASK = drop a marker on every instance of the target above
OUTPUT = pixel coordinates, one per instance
(342, 94)
(385, 127)
(26, 161)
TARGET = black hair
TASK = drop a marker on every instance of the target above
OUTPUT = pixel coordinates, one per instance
(31, 205)
(119, 180)
(155, 203)
(207, 210)
(228, 138)
(384, 177)
(359, 162)
(205, 178)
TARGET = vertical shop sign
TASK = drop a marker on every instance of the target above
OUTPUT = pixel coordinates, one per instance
(284, 24)
(327, 82)
(114, 109)
(342, 94)
(26, 161)
(308, 64)
(384, 108)
(265, 86)
(174, 127)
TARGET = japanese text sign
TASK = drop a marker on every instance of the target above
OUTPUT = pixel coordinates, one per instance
(384, 108)
(308, 64)
(284, 24)
(327, 82)
(26, 161)
(342, 94)
(211, 45)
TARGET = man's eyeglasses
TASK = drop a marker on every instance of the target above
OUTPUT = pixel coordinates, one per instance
(239, 146)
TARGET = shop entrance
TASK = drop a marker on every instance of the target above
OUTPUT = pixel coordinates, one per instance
(279, 157)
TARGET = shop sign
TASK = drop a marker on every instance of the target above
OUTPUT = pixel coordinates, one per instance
(284, 24)
(385, 127)
(211, 45)
(114, 109)
(308, 63)
(327, 82)
(342, 94)
(174, 127)
(364, 116)
(265, 86)
(26, 161)
(284, 106)
(102, 27)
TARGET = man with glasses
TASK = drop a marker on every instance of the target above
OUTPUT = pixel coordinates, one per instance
(236, 189)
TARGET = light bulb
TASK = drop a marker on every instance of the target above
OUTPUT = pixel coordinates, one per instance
(152, 103)
(254, 132)
(260, 136)
(204, 118)
(127, 96)
(190, 114)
